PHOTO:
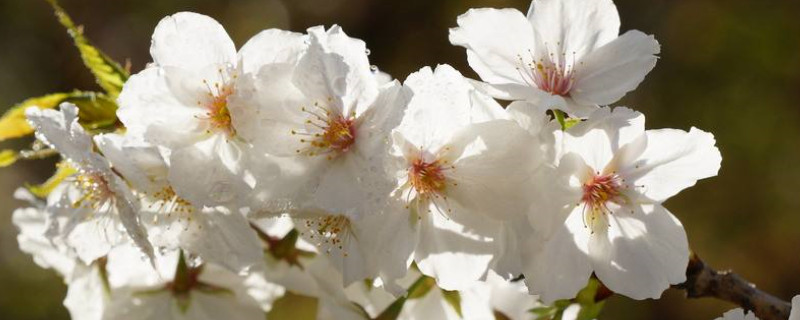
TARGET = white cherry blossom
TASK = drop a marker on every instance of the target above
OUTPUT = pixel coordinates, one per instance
(93, 209)
(180, 288)
(217, 234)
(567, 54)
(460, 167)
(86, 295)
(326, 123)
(181, 102)
(599, 206)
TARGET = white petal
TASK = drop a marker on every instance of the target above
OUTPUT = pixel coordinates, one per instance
(576, 26)
(209, 173)
(271, 46)
(528, 116)
(496, 40)
(795, 313)
(147, 102)
(126, 305)
(605, 132)
(557, 267)
(456, 253)
(86, 296)
(494, 165)
(47, 253)
(223, 238)
(191, 41)
(362, 87)
(443, 102)
(430, 306)
(640, 254)
(673, 160)
(611, 71)
(267, 108)
(60, 130)
(140, 163)
(324, 76)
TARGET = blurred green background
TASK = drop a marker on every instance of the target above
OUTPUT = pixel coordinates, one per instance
(730, 67)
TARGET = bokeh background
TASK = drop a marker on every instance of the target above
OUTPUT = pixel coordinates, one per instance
(731, 67)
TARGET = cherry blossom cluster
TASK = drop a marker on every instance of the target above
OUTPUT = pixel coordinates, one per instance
(526, 174)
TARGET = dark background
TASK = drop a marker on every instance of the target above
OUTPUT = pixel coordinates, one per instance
(730, 67)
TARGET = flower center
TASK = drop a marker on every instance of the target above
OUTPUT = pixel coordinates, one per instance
(97, 194)
(217, 113)
(426, 177)
(598, 193)
(167, 203)
(326, 132)
(553, 74)
(427, 181)
(329, 231)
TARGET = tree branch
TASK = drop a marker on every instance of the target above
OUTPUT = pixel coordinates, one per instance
(703, 281)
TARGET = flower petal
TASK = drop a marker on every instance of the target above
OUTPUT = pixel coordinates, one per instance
(496, 40)
(486, 152)
(598, 138)
(191, 41)
(577, 26)
(605, 75)
(271, 46)
(640, 253)
(147, 103)
(557, 267)
(222, 181)
(456, 253)
(673, 160)
(443, 102)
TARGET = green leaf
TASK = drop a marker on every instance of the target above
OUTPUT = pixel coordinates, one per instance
(13, 124)
(453, 299)
(108, 73)
(8, 157)
(42, 190)
(97, 112)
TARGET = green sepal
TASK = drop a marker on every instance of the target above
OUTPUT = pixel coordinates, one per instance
(560, 116)
(417, 290)
(590, 307)
(453, 298)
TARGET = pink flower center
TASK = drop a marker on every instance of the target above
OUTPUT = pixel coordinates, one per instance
(426, 177)
(553, 74)
(329, 232)
(327, 132)
(97, 194)
(427, 182)
(598, 193)
(216, 104)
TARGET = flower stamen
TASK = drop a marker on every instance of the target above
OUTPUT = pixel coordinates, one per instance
(598, 193)
(327, 132)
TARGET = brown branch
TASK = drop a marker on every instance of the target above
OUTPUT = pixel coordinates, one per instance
(703, 281)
